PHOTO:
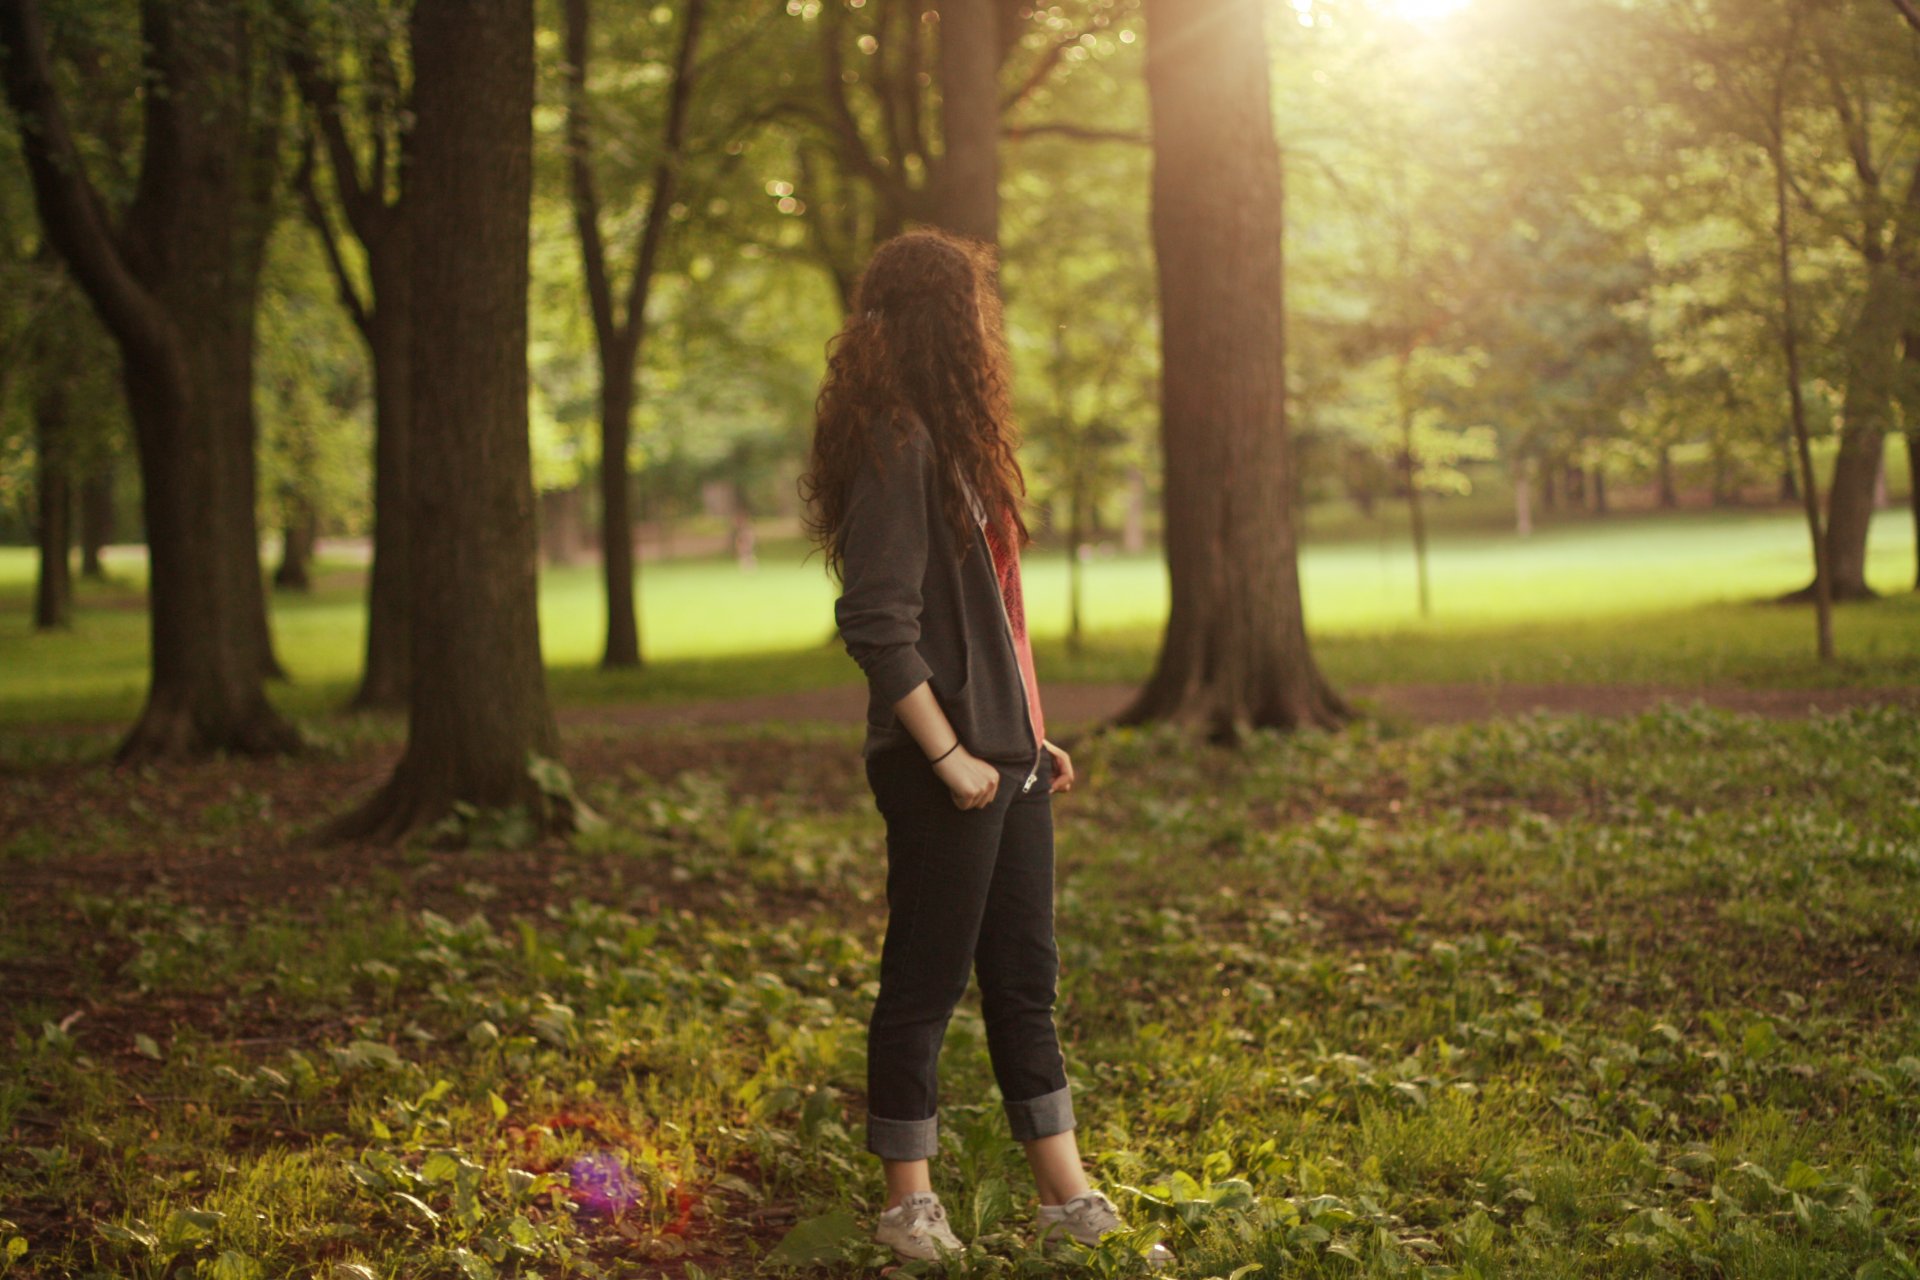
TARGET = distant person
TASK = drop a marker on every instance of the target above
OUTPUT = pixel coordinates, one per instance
(914, 496)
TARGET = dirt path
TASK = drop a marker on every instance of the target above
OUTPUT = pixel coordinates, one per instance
(1421, 703)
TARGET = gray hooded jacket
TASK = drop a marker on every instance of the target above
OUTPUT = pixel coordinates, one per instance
(912, 608)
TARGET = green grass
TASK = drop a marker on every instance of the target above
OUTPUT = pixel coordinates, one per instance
(1661, 598)
(1548, 997)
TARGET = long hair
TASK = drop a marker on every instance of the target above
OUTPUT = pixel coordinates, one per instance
(923, 339)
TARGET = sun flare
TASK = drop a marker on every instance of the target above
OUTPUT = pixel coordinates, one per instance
(1425, 10)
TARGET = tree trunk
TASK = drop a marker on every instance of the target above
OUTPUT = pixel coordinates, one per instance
(96, 520)
(1410, 473)
(386, 674)
(53, 479)
(477, 703)
(371, 195)
(1911, 391)
(301, 530)
(1600, 488)
(1796, 401)
(618, 336)
(968, 199)
(1523, 497)
(1549, 492)
(1669, 493)
(1913, 497)
(177, 289)
(1235, 653)
(1873, 364)
(616, 514)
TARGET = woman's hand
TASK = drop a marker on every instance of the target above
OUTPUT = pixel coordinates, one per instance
(972, 780)
(1062, 768)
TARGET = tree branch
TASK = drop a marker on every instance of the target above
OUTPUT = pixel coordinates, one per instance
(1909, 11)
(673, 147)
(316, 212)
(586, 198)
(71, 212)
(1081, 133)
(322, 96)
(845, 128)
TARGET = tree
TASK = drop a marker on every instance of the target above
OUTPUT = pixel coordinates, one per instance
(174, 279)
(371, 195)
(619, 331)
(478, 719)
(1235, 653)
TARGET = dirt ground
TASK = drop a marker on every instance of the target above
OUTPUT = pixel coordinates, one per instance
(1082, 704)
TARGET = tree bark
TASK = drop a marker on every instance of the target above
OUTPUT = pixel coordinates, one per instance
(385, 676)
(968, 199)
(177, 286)
(373, 201)
(1234, 656)
(477, 707)
(1790, 344)
(96, 519)
(1873, 364)
(1910, 396)
(619, 332)
(298, 533)
(1669, 492)
(53, 478)
(1523, 497)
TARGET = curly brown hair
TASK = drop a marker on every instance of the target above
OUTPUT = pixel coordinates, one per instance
(923, 339)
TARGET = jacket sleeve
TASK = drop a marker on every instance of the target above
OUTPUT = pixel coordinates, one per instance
(883, 562)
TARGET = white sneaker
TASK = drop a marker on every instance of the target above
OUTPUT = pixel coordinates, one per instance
(1086, 1218)
(917, 1228)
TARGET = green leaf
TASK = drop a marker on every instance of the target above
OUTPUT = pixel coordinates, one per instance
(818, 1239)
(146, 1047)
(498, 1103)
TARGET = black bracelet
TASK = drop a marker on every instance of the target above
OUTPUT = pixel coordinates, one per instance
(944, 754)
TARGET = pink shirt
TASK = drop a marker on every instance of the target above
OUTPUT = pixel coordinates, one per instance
(1006, 567)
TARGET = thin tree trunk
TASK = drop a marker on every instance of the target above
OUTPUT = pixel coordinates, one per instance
(299, 533)
(1790, 341)
(53, 478)
(1523, 497)
(1669, 493)
(1911, 387)
(1410, 473)
(1873, 362)
(96, 520)
(386, 673)
(374, 203)
(477, 709)
(1235, 653)
(1600, 488)
(176, 286)
(1913, 497)
(620, 333)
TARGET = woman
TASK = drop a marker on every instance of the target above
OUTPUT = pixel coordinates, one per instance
(914, 496)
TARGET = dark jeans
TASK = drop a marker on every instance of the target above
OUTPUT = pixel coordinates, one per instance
(967, 889)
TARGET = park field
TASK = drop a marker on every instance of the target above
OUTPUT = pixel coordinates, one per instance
(1548, 997)
(1672, 600)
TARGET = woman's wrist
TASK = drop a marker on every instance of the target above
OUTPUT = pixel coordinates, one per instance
(944, 754)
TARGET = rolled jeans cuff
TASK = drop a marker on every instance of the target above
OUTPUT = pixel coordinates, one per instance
(1041, 1117)
(903, 1139)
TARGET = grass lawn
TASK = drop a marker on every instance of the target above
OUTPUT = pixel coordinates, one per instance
(1555, 997)
(1645, 598)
